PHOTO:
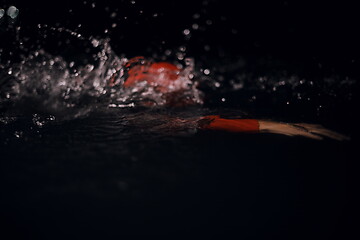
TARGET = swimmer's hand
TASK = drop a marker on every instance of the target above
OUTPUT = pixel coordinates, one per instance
(313, 131)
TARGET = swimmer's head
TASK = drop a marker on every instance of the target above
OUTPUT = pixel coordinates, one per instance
(162, 76)
(164, 79)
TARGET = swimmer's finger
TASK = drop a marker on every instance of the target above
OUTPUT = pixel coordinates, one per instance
(286, 129)
(320, 130)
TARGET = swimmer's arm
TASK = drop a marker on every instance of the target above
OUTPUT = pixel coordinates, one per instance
(313, 131)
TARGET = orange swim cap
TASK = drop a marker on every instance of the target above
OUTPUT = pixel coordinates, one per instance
(158, 74)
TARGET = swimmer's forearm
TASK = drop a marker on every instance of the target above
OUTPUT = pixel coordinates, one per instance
(313, 131)
(215, 122)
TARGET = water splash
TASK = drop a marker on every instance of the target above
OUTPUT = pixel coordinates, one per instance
(50, 83)
(44, 83)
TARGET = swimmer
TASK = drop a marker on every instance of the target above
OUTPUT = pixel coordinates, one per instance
(165, 78)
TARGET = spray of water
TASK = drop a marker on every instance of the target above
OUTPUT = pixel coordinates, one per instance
(49, 84)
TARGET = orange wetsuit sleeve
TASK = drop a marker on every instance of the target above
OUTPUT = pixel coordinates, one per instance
(215, 122)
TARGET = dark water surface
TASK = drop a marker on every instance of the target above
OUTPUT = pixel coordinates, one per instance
(103, 176)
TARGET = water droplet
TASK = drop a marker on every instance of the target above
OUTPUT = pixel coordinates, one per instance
(196, 16)
(2, 12)
(18, 134)
(12, 12)
(133, 2)
(206, 71)
(223, 99)
(113, 15)
(89, 67)
(114, 25)
(167, 52)
(189, 61)
(186, 32)
(182, 48)
(282, 83)
(95, 42)
(195, 26)
(180, 55)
